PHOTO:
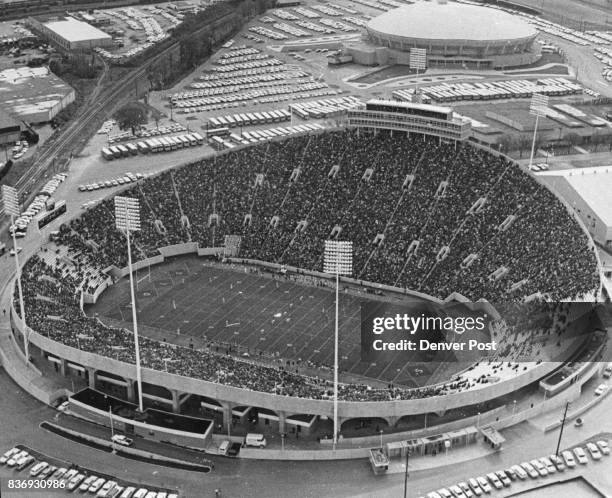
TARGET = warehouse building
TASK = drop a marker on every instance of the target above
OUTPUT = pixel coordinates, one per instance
(10, 129)
(587, 190)
(71, 34)
(34, 95)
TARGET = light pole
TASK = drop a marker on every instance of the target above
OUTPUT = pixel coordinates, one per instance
(381, 443)
(418, 60)
(338, 260)
(10, 199)
(127, 218)
(562, 427)
(406, 473)
(478, 421)
(537, 107)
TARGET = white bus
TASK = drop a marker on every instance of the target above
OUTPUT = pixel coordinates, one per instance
(143, 148)
(217, 143)
(199, 138)
(107, 154)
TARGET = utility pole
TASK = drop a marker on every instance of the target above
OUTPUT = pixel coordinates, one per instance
(562, 426)
(406, 473)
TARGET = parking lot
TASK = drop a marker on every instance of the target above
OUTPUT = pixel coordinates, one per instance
(547, 467)
(36, 471)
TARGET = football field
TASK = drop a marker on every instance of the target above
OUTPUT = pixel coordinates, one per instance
(262, 314)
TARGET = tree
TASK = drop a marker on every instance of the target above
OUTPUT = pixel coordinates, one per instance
(156, 116)
(571, 139)
(523, 141)
(131, 115)
(506, 143)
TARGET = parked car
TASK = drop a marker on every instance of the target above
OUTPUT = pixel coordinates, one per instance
(96, 485)
(122, 440)
(47, 471)
(8, 454)
(75, 482)
(580, 455)
(510, 473)
(531, 472)
(456, 491)
(87, 482)
(520, 473)
(128, 492)
(603, 447)
(505, 480)
(550, 467)
(475, 487)
(558, 462)
(569, 459)
(469, 493)
(24, 462)
(594, 451)
(483, 483)
(601, 388)
(38, 468)
(12, 461)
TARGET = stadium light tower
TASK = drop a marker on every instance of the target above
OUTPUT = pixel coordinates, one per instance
(338, 260)
(127, 218)
(418, 60)
(537, 107)
(10, 199)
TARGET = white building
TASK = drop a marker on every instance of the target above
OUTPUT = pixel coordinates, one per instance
(71, 34)
(589, 192)
(34, 95)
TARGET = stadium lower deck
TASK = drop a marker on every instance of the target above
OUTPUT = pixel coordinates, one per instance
(266, 316)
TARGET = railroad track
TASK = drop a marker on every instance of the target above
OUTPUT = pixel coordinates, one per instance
(107, 98)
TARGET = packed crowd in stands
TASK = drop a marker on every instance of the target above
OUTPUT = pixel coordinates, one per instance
(543, 250)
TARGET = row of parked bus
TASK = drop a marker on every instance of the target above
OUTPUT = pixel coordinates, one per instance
(229, 140)
(452, 92)
(160, 144)
(250, 119)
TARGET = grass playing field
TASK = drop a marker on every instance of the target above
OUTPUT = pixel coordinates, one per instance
(210, 303)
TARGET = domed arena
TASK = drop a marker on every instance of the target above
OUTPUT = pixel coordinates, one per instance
(453, 30)
(430, 217)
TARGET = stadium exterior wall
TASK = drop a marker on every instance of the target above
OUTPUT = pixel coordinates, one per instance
(289, 405)
(381, 54)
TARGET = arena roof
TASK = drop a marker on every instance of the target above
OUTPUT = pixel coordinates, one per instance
(450, 21)
(75, 31)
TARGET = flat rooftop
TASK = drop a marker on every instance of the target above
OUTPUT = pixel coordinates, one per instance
(75, 31)
(594, 186)
(25, 91)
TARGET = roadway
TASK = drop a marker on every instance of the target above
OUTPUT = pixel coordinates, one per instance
(21, 415)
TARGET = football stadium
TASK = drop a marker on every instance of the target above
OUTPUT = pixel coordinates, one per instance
(245, 324)
(335, 235)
